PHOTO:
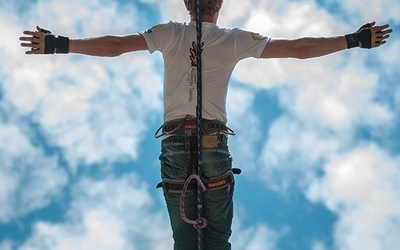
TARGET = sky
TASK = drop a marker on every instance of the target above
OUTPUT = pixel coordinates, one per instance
(318, 140)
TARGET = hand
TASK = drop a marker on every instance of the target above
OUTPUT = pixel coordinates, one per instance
(378, 35)
(36, 39)
(44, 42)
(369, 36)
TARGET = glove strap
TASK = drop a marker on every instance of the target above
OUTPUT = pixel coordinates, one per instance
(362, 38)
(59, 45)
(352, 40)
(365, 37)
(62, 45)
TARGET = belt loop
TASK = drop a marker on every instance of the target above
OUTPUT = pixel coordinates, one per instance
(223, 140)
(187, 142)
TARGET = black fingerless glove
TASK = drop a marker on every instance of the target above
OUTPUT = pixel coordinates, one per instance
(53, 44)
(362, 38)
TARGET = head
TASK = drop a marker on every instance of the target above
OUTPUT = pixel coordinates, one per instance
(209, 7)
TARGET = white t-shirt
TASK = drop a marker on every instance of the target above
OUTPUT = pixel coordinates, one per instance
(222, 50)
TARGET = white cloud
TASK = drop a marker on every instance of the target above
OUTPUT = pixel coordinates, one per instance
(101, 115)
(318, 245)
(113, 213)
(325, 100)
(30, 180)
(255, 237)
(241, 116)
(174, 10)
(362, 186)
(373, 10)
(6, 245)
(94, 109)
(293, 152)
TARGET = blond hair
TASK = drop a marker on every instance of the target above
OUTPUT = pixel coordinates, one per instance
(209, 7)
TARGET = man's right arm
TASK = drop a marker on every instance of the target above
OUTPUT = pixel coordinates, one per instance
(108, 45)
(44, 42)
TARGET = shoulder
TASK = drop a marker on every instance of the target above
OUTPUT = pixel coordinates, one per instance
(171, 25)
(251, 35)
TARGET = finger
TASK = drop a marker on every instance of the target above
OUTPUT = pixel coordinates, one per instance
(28, 32)
(388, 31)
(383, 27)
(30, 45)
(31, 52)
(385, 37)
(24, 38)
(384, 31)
(381, 41)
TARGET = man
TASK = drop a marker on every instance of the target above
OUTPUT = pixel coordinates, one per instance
(221, 50)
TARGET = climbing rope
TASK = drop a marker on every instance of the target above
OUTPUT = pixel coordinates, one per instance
(199, 116)
(200, 222)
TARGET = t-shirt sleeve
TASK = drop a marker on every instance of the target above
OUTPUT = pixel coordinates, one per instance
(249, 44)
(159, 36)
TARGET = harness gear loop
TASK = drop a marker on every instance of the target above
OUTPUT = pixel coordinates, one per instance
(164, 132)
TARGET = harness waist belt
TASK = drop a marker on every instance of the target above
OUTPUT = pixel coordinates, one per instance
(188, 126)
(209, 127)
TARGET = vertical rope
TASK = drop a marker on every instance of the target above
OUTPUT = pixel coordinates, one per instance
(199, 116)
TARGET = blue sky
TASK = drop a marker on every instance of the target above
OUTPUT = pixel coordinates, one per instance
(317, 140)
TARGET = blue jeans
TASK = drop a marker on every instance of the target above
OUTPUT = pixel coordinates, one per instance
(217, 203)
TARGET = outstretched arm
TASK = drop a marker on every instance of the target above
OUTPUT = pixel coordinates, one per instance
(108, 45)
(368, 36)
(44, 42)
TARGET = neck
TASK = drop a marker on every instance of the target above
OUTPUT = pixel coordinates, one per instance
(206, 18)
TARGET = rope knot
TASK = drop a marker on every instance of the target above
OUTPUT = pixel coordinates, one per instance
(200, 223)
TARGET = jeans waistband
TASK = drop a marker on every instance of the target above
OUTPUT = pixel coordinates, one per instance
(209, 141)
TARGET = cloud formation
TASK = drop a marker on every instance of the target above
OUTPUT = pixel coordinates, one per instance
(94, 112)
(30, 179)
(111, 213)
(361, 187)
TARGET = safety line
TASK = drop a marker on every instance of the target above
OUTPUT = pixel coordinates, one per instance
(199, 116)
(200, 222)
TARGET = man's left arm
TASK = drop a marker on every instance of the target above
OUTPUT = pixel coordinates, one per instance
(368, 36)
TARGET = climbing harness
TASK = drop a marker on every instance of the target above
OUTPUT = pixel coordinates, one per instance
(188, 126)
